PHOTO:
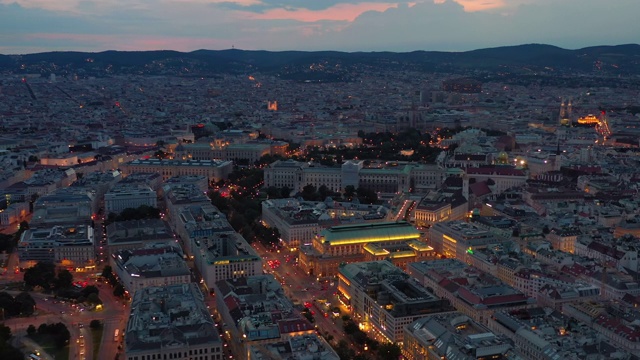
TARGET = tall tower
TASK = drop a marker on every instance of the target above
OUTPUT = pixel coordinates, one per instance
(563, 117)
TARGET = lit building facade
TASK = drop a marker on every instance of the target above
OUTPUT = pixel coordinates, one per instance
(66, 246)
(224, 255)
(340, 244)
(381, 178)
(123, 197)
(214, 170)
(472, 292)
(438, 206)
(384, 299)
(454, 239)
(251, 151)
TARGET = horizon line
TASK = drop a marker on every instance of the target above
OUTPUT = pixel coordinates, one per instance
(326, 50)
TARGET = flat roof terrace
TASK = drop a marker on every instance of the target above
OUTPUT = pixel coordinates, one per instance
(369, 233)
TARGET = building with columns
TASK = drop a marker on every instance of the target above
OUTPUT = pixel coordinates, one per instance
(383, 177)
(214, 170)
(348, 243)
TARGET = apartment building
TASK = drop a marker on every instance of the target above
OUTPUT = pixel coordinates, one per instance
(384, 299)
(171, 322)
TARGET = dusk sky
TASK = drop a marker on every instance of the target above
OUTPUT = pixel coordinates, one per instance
(28, 26)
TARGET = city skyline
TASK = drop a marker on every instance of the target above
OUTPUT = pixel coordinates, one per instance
(28, 26)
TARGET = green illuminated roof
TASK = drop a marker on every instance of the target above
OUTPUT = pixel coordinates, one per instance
(369, 233)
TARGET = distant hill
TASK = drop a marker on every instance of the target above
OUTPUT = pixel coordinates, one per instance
(329, 65)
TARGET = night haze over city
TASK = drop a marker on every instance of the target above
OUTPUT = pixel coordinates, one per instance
(28, 26)
(319, 180)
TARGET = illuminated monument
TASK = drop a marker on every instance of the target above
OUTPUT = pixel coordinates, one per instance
(564, 119)
(395, 241)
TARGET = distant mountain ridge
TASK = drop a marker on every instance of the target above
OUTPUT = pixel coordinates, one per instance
(618, 59)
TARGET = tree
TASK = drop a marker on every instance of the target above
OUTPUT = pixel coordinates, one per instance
(360, 337)
(91, 289)
(344, 351)
(139, 213)
(65, 279)
(7, 242)
(7, 351)
(5, 332)
(118, 291)
(349, 192)
(323, 191)
(273, 192)
(26, 303)
(307, 314)
(293, 147)
(218, 200)
(367, 196)
(61, 334)
(350, 327)
(268, 236)
(107, 272)
(160, 154)
(41, 274)
(388, 351)
(31, 330)
(24, 225)
(111, 217)
(7, 304)
(94, 299)
(285, 192)
(95, 324)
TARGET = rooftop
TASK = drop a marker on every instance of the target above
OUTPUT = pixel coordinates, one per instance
(159, 162)
(224, 247)
(169, 316)
(138, 230)
(456, 336)
(368, 233)
(259, 307)
(558, 335)
(61, 235)
(154, 260)
(391, 288)
(475, 287)
(307, 347)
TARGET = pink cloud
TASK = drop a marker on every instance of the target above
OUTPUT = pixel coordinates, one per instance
(339, 12)
(477, 5)
(136, 43)
(480, 5)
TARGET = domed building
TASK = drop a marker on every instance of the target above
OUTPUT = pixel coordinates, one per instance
(502, 158)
